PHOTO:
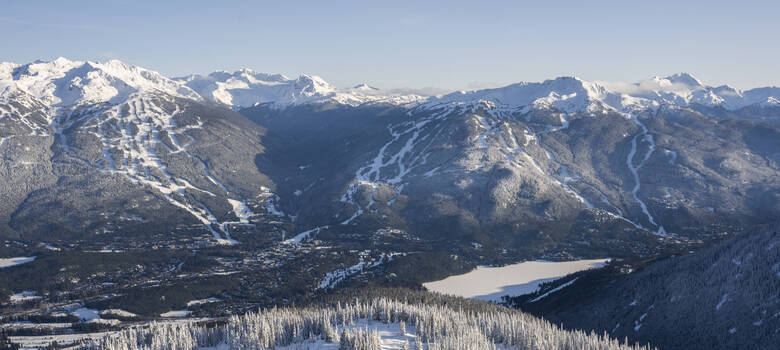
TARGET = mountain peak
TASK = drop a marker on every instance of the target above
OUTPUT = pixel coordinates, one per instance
(64, 82)
(685, 78)
(59, 60)
(567, 78)
(246, 88)
(364, 87)
(313, 79)
(567, 94)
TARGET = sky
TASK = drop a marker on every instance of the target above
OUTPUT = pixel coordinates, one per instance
(410, 44)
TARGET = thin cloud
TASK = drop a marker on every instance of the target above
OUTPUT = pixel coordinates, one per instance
(426, 91)
(644, 86)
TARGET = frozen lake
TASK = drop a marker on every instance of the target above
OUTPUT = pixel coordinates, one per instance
(491, 283)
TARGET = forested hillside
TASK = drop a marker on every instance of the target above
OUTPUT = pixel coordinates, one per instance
(418, 320)
(724, 297)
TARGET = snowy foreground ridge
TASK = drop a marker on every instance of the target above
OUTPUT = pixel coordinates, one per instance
(376, 324)
(491, 283)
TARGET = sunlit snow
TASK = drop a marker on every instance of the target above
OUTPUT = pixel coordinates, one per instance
(8, 262)
(176, 313)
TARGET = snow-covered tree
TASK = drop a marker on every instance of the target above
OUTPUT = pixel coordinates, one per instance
(443, 323)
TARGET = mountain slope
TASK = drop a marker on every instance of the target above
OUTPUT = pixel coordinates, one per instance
(563, 167)
(723, 297)
(63, 82)
(370, 320)
(549, 166)
(112, 149)
(571, 94)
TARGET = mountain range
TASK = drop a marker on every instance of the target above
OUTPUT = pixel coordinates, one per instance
(54, 83)
(98, 153)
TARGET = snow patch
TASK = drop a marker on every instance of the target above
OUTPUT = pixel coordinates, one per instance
(389, 333)
(24, 296)
(85, 314)
(9, 262)
(202, 301)
(176, 313)
(118, 313)
(553, 291)
(334, 277)
(722, 301)
(241, 211)
(305, 234)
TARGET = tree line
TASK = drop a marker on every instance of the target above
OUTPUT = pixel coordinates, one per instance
(352, 325)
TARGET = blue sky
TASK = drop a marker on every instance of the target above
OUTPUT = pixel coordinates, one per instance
(446, 44)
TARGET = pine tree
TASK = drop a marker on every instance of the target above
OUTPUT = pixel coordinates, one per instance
(440, 322)
(344, 340)
(5, 342)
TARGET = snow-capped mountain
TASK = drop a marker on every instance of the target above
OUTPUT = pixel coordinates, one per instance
(66, 83)
(565, 94)
(574, 95)
(685, 90)
(63, 82)
(365, 88)
(246, 88)
(512, 160)
(124, 131)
